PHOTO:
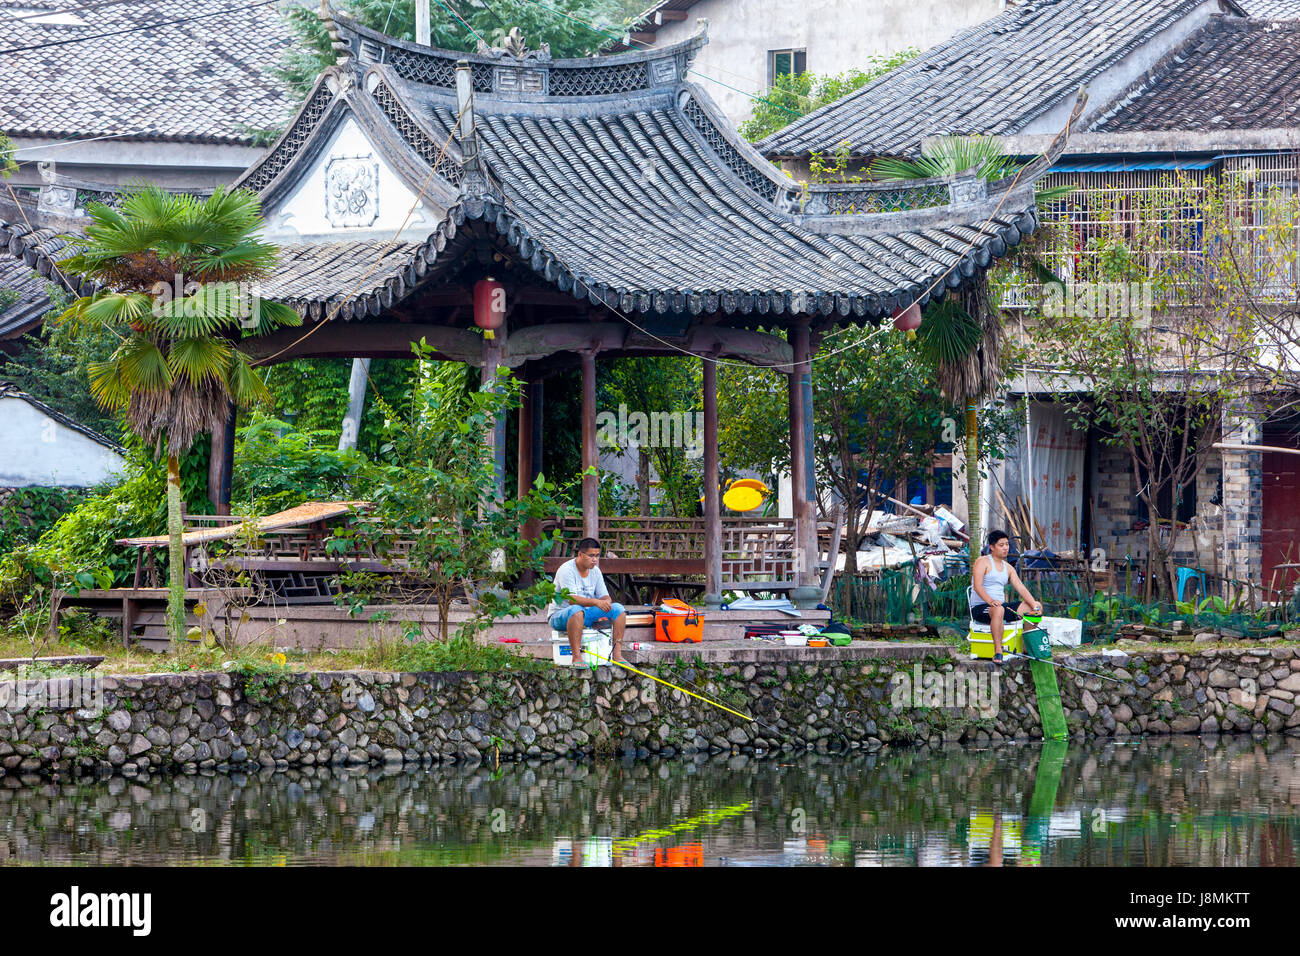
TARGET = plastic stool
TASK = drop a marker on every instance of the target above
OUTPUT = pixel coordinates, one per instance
(1189, 574)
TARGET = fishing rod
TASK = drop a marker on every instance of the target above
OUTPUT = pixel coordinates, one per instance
(1064, 667)
(626, 666)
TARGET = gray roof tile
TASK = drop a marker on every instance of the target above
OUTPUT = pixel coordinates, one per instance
(1271, 9)
(208, 80)
(33, 302)
(993, 78)
(1234, 74)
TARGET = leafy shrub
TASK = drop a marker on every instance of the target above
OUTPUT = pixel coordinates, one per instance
(278, 467)
(29, 512)
(80, 550)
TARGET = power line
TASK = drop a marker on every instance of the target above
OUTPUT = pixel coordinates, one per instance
(465, 22)
(147, 26)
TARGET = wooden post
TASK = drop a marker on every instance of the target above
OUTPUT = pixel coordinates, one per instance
(712, 496)
(422, 18)
(493, 360)
(221, 461)
(590, 459)
(801, 466)
(537, 394)
(524, 446)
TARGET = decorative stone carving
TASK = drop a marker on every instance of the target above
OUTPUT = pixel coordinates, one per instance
(352, 191)
(968, 190)
(516, 47)
(57, 199)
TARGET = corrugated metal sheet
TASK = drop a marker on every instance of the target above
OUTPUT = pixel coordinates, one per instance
(1130, 165)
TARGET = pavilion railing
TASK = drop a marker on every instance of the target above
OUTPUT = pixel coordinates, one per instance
(753, 549)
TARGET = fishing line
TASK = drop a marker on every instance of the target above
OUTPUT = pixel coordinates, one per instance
(1074, 670)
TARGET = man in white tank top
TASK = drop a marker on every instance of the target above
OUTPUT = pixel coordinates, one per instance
(990, 578)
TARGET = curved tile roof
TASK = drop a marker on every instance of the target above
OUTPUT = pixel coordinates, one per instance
(1271, 9)
(1234, 74)
(206, 80)
(994, 78)
(32, 302)
(617, 181)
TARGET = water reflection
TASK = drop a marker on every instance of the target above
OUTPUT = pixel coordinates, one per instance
(1168, 802)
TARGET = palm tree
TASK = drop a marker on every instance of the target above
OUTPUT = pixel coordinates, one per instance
(176, 276)
(962, 335)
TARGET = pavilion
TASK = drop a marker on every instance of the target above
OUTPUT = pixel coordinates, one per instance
(621, 215)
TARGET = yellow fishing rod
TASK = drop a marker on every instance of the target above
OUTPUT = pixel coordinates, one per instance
(626, 666)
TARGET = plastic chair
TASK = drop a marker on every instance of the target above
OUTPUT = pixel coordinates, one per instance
(1189, 574)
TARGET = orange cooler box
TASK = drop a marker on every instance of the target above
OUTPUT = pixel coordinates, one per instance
(682, 623)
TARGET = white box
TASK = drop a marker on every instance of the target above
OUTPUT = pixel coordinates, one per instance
(1063, 631)
(598, 641)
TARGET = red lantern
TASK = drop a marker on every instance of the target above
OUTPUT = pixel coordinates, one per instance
(489, 306)
(908, 320)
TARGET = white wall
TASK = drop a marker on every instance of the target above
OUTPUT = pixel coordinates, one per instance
(838, 35)
(386, 200)
(37, 450)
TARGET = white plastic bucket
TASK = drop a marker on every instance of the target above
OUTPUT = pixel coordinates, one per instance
(593, 640)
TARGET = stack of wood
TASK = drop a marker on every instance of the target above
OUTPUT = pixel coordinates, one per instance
(1028, 533)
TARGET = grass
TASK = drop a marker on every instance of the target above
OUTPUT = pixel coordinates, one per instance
(91, 636)
(379, 654)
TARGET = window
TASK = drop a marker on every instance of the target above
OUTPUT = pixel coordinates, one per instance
(785, 63)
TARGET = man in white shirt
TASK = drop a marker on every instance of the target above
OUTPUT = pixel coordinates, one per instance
(587, 600)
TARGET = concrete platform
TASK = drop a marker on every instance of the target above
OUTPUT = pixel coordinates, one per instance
(318, 626)
(750, 652)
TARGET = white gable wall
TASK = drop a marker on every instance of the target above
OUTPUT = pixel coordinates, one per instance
(37, 450)
(350, 193)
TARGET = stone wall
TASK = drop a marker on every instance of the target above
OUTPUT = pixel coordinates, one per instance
(199, 721)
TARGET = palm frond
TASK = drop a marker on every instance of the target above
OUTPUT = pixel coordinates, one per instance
(144, 368)
(949, 156)
(108, 386)
(272, 315)
(246, 386)
(962, 340)
(117, 308)
(210, 309)
(200, 358)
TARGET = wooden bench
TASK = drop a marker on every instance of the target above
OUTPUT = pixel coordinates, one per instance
(136, 606)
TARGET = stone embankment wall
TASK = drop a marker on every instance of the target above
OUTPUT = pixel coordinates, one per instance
(198, 721)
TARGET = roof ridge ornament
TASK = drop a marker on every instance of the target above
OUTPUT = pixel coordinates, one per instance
(516, 47)
(342, 50)
(475, 183)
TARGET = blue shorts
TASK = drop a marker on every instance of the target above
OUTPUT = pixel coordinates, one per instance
(590, 615)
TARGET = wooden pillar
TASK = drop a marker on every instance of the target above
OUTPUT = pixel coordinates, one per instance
(712, 494)
(493, 360)
(524, 445)
(537, 395)
(590, 454)
(221, 464)
(801, 466)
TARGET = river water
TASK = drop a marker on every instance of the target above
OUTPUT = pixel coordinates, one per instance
(1173, 801)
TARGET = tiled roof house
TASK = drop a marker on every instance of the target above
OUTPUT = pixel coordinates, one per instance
(1184, 88)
